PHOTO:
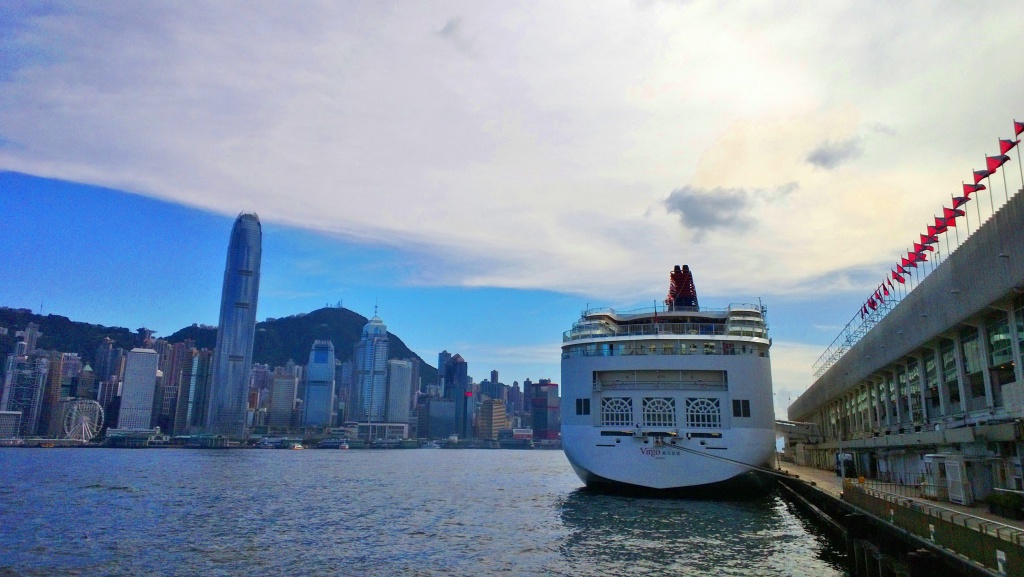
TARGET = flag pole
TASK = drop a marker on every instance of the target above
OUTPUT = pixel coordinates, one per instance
(1020, 167)
(1006, 188)
(990, 195)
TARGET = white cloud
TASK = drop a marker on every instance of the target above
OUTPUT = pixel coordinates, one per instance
(528, 145)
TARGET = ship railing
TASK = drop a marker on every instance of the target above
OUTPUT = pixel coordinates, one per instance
(680, 329)
(732, 308)
(599, 350)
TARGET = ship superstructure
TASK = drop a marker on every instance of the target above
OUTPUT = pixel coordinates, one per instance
(669, 397)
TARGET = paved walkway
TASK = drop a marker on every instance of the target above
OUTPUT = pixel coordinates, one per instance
(976, 516)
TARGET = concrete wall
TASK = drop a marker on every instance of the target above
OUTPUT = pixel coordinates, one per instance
(988, 267)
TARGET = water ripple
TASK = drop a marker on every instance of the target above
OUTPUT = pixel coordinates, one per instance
(377, 513)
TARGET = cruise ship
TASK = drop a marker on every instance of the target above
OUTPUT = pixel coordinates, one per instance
(673, 398)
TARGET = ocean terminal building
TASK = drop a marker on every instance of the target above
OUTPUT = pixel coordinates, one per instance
(933, 394)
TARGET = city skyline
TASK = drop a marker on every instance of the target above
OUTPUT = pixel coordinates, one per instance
(487, 176)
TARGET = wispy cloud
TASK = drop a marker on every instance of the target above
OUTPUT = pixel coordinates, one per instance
(830, 155)
(720, 208)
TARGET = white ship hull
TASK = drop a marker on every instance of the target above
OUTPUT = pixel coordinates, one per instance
(665, 465)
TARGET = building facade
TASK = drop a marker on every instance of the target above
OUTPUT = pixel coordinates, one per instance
(318, 404)
(399, 390)
(237, 329)
(933, 394)
(371, 358)
(138, 389)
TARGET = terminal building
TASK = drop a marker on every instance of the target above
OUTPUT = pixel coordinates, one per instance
(933, 394)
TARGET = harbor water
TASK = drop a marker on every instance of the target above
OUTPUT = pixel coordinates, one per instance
(382, 513)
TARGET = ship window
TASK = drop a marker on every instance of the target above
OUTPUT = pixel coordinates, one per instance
(659, 412)
(703, 413)
(709, 348)
(582, 406)
(740, 408)
(617, 411)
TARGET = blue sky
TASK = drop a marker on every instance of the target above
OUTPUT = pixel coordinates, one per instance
(485, 172)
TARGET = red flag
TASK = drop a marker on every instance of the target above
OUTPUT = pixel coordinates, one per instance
(885, 289)
(959, 201)
(890, 282)
(919, 248)
(922, 256)
(1018, 127)
(949, 213)
(929, 239)
(862, 313)
(980, 175)
(900, 280)
(904, 263)
(903, 270)
(1007, 145)
(951, 221)
(872, 304)
(995, 162)
(969, 188)
(937, 230)
(878, 294)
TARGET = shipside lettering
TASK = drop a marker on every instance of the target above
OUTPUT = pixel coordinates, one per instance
(665, 452)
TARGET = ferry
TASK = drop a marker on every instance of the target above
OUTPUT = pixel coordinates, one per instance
(669, 399)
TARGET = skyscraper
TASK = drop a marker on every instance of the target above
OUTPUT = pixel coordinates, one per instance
(399, 387)
(371, 355)
(237, 329)
(137, 390)
(282, 399)
(318, 404)
(24, 383)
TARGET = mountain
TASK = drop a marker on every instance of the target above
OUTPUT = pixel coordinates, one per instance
(60, 333)
(277, 340)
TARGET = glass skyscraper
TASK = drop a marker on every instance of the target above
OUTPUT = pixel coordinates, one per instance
(237, 328)
(318, 406)
(371, 355)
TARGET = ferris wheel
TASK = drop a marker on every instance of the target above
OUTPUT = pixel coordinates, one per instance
(82, 420)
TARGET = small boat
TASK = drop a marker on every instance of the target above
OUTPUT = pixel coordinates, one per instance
(296, 446)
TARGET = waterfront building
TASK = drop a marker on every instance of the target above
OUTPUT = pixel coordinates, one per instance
(443, 360)
(236, 329)
(436, 418)
(10, 424)
(24, 382)
(371, 357)
(107, 360)
(492, 418)
(932, 394)
(399, 390)
(48, 419)
(318, 402)
(85, 383)
(191, 408)
(282, 399)
(138, 389)
(544, 404)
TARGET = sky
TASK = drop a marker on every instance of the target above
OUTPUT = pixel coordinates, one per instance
(482, 172)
